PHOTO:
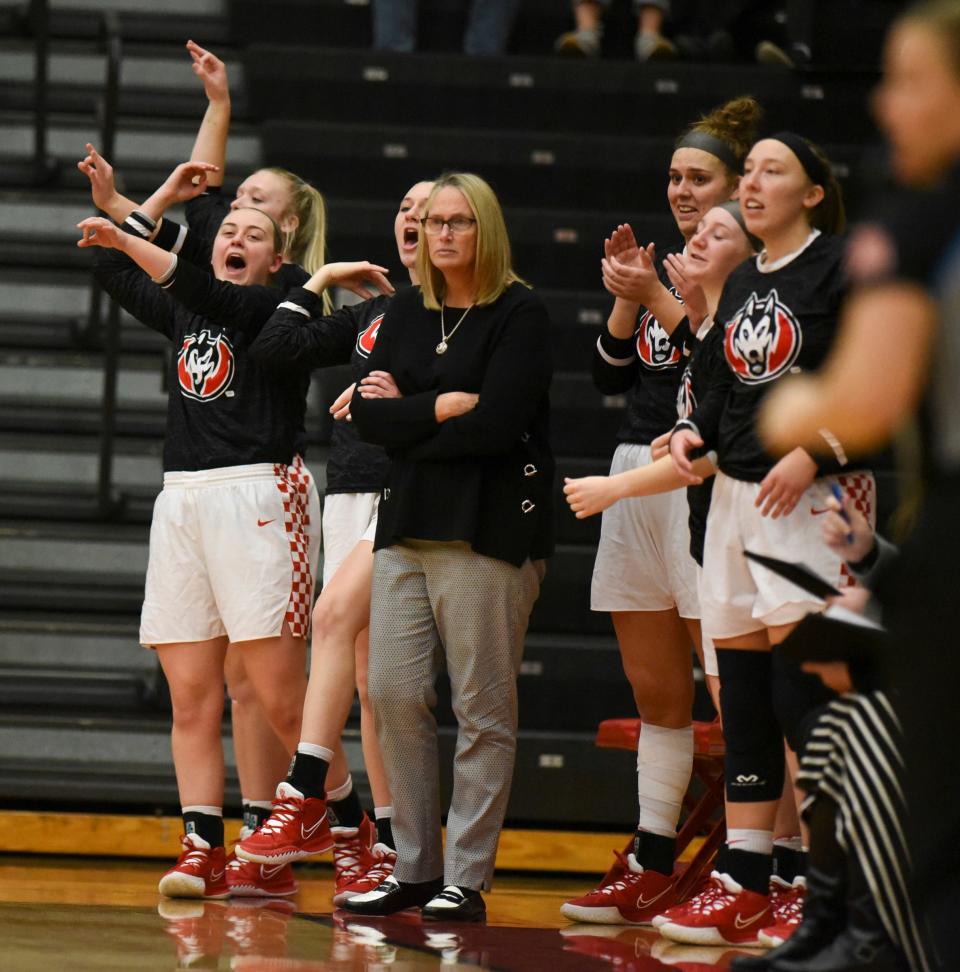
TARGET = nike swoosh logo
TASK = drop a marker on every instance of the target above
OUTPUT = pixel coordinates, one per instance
(264, 522)
(750, 921)
(269, 872)
(814, 512)
(307, 833)
(216, 876)
(643, 902)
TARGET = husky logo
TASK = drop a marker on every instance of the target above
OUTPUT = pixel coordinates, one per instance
(653, 344)
(763, 340)
(686, 400)
(367, 338)
(205, 366)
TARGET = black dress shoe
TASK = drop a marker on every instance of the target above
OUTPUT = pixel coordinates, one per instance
(392, 895)
(456, 904)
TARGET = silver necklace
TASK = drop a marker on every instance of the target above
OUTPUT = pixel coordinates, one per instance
(441, 348)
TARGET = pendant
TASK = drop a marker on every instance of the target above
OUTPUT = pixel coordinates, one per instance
(441, 348)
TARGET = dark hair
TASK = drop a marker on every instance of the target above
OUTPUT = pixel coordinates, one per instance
(734, 124)
(830, 214)
(943, 18)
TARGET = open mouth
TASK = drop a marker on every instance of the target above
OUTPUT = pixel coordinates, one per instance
(235, 261)
(410, 236)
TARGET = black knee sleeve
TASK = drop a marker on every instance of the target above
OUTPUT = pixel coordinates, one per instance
(754, 760)
(797, 700)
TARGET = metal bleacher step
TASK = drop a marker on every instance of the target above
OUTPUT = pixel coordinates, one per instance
(155, 79)
(158, 143)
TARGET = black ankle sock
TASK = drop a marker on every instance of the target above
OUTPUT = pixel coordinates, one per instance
(654, 852)
(253, 816)
(204, 825)
(385, 832)
(308, 775)
(788, 864)
(746, 868)
(346, 812)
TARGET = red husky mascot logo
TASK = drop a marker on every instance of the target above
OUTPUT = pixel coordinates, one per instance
(205, 366)
(763, 340)
(367, 338)
(653, 344)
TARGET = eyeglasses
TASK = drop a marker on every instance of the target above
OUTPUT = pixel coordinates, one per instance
(434, 225)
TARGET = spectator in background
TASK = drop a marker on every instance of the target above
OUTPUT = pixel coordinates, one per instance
(586, 38)
(488, 26)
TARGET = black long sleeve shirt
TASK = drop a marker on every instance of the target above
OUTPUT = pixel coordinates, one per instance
(299, 336)
(223, 408)
(484, 477)
(775, 323)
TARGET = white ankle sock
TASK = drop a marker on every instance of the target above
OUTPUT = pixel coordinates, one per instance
(312, 749)
(754, 841)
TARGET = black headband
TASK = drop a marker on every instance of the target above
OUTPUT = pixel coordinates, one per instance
(733, 208)
(715, 146)
(818, 171)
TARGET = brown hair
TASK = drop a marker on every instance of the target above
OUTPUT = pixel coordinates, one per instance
(492, 267)
(830, 214)
(733, 123)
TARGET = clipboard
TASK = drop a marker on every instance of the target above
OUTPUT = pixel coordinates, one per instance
(799, 574)
(835, 635)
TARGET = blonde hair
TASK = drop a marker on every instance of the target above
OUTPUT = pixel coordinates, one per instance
(305, 245)
(493, 266)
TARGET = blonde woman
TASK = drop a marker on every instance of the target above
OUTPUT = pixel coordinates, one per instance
(465, 522)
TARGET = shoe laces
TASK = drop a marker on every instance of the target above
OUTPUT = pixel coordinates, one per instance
(629, 878)
(348, 858)
(386, 859)
(788, 908)
(714, 897)
(192, 857)
(284, 811)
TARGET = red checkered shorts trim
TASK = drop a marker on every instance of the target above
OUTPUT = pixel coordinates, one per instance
(293, 482)
(860, 489)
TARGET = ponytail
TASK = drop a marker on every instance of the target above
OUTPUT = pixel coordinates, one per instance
(306, 245)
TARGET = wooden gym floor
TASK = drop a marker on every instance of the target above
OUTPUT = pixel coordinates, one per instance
(78, 913)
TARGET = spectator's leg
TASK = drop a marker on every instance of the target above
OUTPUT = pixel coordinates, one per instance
(395, 25)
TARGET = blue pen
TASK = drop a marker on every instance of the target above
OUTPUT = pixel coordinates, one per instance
(838, 496)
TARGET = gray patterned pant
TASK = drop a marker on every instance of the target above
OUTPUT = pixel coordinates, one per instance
(435, 602)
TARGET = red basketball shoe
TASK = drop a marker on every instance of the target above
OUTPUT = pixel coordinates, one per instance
(247, 879)
(200, 871)
(360, 863)
(724, 913)
(633, 899)
(786, 910)
(298, 827)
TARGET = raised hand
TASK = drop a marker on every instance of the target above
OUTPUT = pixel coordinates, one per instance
(211, 71)
(362, 277)
(622, 244)
(690, 292)
(99, 171)
(97, 231)
(635, 281)
(187, 181)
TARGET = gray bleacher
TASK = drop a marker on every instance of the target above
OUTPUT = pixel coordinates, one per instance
(572, 148)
